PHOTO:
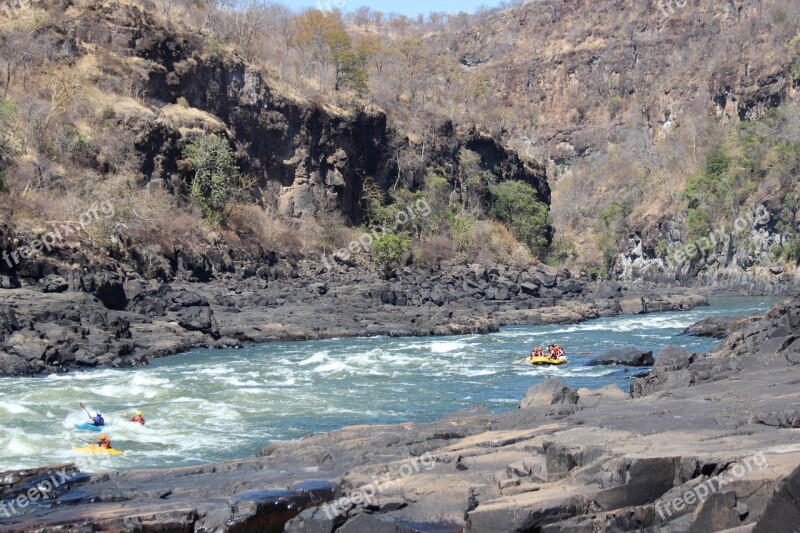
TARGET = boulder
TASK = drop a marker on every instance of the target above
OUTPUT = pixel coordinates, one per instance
(27, 345)
(550, 392)
(782, 508)
(609, 289)
(717, 513)
(199, 319)
(546, 275)
(11, 365)
(624, 357)
(315, 520)
(718, 327)
(670, 372)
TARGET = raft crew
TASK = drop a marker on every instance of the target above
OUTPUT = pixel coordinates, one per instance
(137, 417)
(556, 352)
(537, 352)
(103, 442)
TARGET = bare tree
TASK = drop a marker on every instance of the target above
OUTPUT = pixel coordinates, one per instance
(15, 52)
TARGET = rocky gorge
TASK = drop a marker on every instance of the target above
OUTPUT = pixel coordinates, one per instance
(68, 319)
(705, 442)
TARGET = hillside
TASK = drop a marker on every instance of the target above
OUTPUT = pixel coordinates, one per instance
(271, 130)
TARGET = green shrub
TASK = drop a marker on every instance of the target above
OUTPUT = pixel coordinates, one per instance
(516, 204)
(9, 140)
(615, 104)
(388, 250)
(217, 181)
(109, 112)
(611, 232)
(437, 194)
(461, 232)
(597, 272)
(788, 251)
(561, 251)
(614, 215)
(475, 181)
(662, 249)
(71, 144)
(755, 155)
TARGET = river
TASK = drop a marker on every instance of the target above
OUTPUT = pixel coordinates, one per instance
(210, 405)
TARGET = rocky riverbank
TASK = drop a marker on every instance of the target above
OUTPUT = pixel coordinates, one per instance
(706, 442)
(101, 318)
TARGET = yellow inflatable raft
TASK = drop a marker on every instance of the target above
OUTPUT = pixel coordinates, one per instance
(92, 448)
(546, 361)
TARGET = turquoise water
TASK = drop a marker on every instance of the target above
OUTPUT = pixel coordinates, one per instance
(210, 405)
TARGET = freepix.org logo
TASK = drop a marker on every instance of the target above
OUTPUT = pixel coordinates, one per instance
(44, 490)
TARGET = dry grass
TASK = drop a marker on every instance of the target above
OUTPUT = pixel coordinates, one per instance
(255, 230)
(180, 117)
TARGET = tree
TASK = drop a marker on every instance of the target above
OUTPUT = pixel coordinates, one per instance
(341, 54)
(9, 141)
(65, 87)
(516, 204)
(217, 181)
(474, 180)
(388, 250)
(362, 16)
(15, 52)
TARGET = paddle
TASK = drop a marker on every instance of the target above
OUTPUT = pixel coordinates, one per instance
(87, 411)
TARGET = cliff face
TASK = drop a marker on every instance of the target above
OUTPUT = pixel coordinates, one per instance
(737, 256)
(319, 155)
(625, 99)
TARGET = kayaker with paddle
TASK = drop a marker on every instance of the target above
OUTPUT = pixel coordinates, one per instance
(103, 442)
(97, 419)
(137, 417)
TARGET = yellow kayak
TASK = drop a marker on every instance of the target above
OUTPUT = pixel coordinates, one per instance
(92, 448)
(546, 361)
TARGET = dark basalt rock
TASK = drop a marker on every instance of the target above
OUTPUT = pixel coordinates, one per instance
(624, 357)
(550, 392)
(718, 327)
(603, 464)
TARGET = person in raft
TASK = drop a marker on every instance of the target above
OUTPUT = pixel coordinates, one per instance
(97, 419)
(537, 352)
(556, 352)
(137, 417)
(103, 442)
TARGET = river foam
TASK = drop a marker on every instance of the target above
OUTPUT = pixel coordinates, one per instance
(210, 405)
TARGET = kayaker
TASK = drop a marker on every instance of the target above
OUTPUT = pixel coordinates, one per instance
(137, 417)
(103, 442)
(97, 419)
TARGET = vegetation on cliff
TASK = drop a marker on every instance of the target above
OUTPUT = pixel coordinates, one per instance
(102, 100)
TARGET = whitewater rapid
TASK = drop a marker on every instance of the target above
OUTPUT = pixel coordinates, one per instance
(209, 405)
